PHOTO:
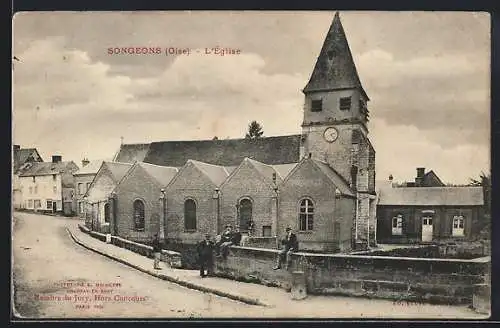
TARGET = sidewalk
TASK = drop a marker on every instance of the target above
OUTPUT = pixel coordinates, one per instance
(253, 294)
(272, 301)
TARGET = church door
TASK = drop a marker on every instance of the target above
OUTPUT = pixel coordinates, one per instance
(245, 214)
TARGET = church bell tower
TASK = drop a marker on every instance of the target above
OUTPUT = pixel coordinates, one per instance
(335, 124)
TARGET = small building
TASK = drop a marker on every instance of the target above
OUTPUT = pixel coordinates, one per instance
(97, 210)
(429, 179)
(249, 195)
(318, 203)
(408, 215)
(193, 201)
(137, 209)
(49, 187)
(20, 158)
(83, 179)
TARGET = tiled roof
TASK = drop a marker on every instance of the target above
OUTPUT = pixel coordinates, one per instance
(21, 155)
(432, 196)
(335, 68)
(100, 192)
(90, 168)
(217, 174)
(118, 170)
(284, 169)
(265, 170)
(162, 174)
(131, 153)
(336, 178)
(228, 152)
(47, 168)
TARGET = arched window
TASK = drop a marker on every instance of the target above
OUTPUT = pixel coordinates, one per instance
(306, 215)
(139, 214)
(245, 214)
(106, 213)
(189, 215)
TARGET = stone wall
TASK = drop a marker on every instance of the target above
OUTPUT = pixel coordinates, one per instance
(414, 279)
(260, 242)
(172, 258)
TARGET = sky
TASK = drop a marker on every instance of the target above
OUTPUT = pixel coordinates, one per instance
(427, 75)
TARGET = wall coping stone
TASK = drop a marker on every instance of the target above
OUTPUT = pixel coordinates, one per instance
(484, 259)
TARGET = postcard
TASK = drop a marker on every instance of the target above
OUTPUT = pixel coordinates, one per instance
(251, 164)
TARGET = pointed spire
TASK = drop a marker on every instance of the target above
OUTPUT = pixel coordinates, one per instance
(335, 68)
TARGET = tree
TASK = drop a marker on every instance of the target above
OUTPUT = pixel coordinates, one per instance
(484, 181)
(254, 130)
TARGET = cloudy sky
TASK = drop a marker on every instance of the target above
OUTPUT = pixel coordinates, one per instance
(427, 74)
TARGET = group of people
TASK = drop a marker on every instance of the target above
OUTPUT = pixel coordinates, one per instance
(207, 247)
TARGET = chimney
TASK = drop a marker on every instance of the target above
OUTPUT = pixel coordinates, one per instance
(85, 161)
(391, 178)
(56, 158)
(17, 147)
(420, 176)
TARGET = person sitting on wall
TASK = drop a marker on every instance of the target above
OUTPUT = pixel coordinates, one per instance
(236, 237)
(291, 245)
(205, 256)
(225, 236)
(226, 241)
(156, 252)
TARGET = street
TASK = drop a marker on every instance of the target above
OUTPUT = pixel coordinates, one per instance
(56, 278)
(45, 258)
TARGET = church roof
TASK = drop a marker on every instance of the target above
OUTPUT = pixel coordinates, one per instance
(265, 170)
(131, 153)
(162, 174)
(228, 152)
(117, 170)
(284, 169)
(217, 174)
(335, 177)
(335, 67)
(431, 196)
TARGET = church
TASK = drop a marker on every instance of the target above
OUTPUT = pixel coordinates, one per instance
(321, 183)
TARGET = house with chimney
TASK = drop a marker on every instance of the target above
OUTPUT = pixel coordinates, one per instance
(334, 144)
(427, 211)
(83, 179)
(20, 158)
(49, 186)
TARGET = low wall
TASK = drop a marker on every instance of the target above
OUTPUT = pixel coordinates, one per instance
(170, 257)
(468, 250)
(413, 279)
(481, 301)
(260, 242)
(189, 253)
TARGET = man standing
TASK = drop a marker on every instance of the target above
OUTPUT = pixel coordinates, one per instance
(290, 245)
(156, 252)
(205, 253)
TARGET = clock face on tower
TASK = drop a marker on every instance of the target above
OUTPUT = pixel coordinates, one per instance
(330, 134)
